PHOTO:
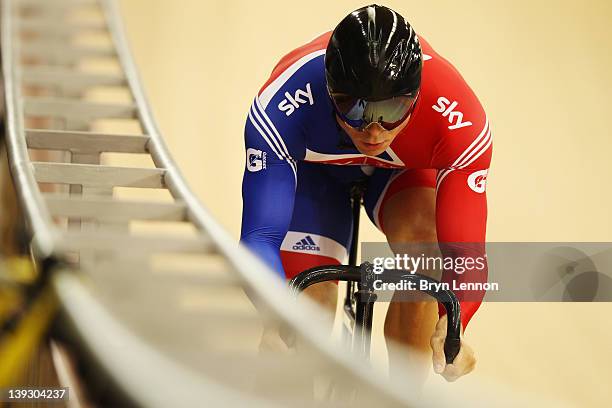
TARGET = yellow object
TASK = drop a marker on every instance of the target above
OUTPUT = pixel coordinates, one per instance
(10, 298)
(17, 347)
(19, 269)
(14, 271)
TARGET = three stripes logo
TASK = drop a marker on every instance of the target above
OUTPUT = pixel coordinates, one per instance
(306, 244)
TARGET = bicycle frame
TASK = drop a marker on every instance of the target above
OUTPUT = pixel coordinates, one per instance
(359, 301)
(357, 312)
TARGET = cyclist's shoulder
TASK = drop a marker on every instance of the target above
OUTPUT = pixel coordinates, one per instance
(297, 58)
(441, 78)
(451, 113)
(297, 79)
(436, 66)
(293, 108)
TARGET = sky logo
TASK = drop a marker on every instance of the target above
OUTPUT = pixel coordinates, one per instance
(293, 102)
(447, 109)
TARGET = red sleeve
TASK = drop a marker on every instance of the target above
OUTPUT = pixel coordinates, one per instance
(461, 216)
(463, 156)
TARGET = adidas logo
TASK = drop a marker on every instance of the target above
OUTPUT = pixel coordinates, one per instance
(306, 244)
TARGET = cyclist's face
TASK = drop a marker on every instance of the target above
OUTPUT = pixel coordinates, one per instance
(374, 139)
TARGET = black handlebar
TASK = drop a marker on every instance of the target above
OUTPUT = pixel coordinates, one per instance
(452, 344)
(325, 273)
(364, 273)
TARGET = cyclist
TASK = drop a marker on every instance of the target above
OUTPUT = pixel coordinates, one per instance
(370, 99)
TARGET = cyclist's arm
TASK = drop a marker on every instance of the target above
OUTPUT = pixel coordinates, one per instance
(461, 216)
(268, 189)
(461, 204)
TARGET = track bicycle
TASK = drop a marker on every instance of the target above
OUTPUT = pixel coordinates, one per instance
(358, 306)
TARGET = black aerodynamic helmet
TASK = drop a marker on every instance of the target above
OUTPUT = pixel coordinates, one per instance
(373, 55)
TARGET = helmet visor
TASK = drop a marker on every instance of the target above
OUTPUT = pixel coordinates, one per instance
(359, 113)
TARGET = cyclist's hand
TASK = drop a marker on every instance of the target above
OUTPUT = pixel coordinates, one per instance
(463, 364)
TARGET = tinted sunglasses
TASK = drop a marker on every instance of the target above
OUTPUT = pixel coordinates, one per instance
(359, 113)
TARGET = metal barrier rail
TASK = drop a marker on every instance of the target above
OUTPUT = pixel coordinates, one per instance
(161, 344)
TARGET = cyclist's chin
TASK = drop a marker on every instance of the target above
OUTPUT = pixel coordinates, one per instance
(370, 149)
